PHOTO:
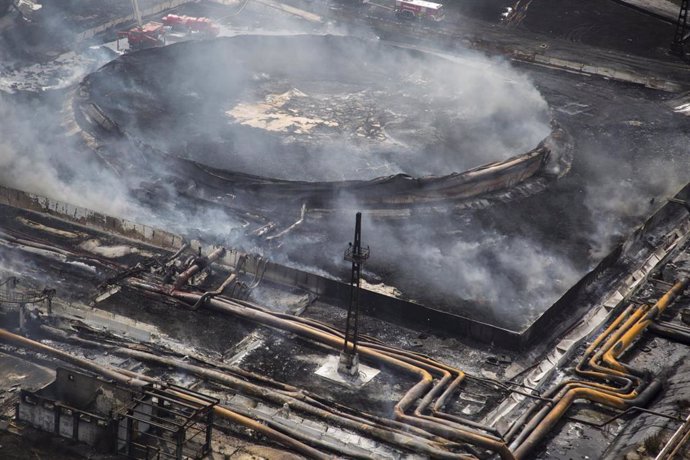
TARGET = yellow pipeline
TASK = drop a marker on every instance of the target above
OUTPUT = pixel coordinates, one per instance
(137, 381)
(612, 333)
(317, 332)
(608, 333)
(558, 391)
(629, 323)
(610, 357)
(604, 372)
(413, 394)
(557, 412)
(600, 338)
(487, 440)
(267, 431)
(446, 373)
(593, 346)
(298, 404)
(618, 341)
(22, 342)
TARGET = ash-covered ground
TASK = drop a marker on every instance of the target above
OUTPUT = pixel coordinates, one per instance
(505, 263)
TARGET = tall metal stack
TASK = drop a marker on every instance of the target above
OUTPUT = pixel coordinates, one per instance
(682, 36)
(355, 253)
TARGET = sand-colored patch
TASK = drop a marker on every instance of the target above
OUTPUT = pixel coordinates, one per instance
(45, 228)
(112, 252)
(272, 115)
(381, 288)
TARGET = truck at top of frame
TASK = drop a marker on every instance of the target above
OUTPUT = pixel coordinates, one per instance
(419, 9)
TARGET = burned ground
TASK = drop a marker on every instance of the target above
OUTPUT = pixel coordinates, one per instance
(163, 149)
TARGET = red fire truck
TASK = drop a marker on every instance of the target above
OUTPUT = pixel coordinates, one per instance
(142, 35)
(419, 9)
(147, 35)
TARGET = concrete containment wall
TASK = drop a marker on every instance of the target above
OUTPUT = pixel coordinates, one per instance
(392, 309)
(375, 304)
(623, 263)
(89, 218)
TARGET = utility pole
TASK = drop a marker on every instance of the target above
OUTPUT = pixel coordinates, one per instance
(682, 35)
(355, 253)
(137, 12)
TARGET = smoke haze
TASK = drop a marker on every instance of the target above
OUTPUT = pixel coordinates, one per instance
(458, 111)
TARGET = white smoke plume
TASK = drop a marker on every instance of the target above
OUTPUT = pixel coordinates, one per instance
(460, 261)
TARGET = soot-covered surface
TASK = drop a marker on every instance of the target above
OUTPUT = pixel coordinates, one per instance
(320, 107)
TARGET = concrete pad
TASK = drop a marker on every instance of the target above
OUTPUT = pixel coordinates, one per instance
(329, 370)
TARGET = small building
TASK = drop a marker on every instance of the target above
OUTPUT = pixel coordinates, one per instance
(155, 422)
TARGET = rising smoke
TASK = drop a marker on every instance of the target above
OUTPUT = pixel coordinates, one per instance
(628, 183)
(322, 108)
(450, 261)
(36, 156)
(444, 115)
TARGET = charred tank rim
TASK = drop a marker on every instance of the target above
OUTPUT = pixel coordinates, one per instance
(393, 191)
